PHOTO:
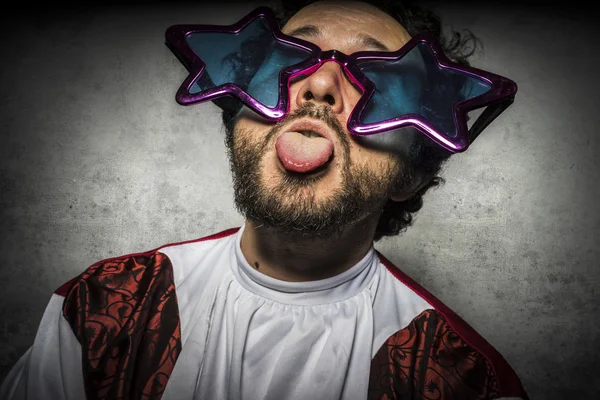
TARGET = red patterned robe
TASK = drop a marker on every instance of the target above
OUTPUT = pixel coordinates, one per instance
(152, 326)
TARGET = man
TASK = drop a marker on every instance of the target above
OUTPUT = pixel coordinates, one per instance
(295, 304)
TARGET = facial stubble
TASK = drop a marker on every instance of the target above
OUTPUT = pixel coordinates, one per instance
(290, 207)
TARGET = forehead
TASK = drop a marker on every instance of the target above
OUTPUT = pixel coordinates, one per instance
(345, 25)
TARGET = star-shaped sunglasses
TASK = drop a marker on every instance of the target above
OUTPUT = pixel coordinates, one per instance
(417, 85)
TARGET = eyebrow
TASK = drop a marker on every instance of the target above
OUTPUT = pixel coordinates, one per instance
(364, 39)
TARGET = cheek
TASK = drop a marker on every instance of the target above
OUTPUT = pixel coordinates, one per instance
(251, 126)
(397, 142)
(248, 119)
(370, 159)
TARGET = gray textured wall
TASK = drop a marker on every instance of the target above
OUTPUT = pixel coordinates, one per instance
(97, 160)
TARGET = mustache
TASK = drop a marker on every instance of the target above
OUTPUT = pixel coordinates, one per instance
(311, 110)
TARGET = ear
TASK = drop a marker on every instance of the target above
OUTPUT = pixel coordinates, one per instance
(405, 193)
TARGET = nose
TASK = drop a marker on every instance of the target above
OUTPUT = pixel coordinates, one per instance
(328, 86)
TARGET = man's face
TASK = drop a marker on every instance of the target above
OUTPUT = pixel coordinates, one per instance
(360, 177)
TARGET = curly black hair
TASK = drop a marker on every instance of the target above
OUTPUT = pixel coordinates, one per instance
(425, 157)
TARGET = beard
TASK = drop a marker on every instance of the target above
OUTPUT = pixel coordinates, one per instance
(290, 207)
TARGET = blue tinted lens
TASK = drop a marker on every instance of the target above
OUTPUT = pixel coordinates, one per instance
(251, 59)
(225, 53)
(415, 84)
(264, 86)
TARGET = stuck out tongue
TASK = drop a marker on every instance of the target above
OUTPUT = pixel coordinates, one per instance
(302, 154)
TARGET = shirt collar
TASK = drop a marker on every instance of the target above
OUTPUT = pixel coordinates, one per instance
(342, 286)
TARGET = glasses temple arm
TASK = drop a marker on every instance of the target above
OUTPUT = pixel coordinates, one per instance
(490, 113)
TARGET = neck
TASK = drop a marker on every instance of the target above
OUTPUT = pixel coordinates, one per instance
(305, 259)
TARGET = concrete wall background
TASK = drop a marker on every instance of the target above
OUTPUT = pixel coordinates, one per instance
(97, 160)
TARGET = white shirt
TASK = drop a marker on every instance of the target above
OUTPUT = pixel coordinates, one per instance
(245, 335)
